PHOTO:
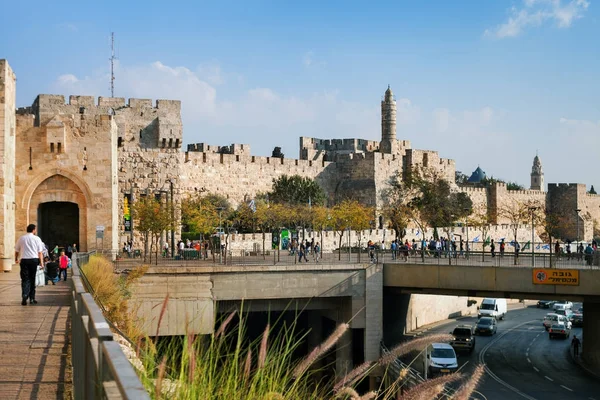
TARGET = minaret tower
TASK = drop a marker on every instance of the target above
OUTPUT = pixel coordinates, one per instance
(537, 174)
(388, 123)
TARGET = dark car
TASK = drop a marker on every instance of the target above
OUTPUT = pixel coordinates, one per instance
(485, 326)
(545, 303)
(463, 338)
(576, 319)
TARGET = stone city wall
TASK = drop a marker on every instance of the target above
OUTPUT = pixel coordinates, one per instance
(7, 163)
(241, 177)
(73, 159)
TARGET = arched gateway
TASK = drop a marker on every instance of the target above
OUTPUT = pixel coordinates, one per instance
(59, 208)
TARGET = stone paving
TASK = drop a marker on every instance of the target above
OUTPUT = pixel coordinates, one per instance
(34, 341)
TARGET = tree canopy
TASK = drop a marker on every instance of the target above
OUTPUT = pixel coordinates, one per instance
(296, 189)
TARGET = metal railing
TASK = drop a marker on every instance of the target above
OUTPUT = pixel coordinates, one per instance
(362, 255)
(100, 368)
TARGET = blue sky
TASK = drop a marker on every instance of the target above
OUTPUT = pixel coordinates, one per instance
(486, 83)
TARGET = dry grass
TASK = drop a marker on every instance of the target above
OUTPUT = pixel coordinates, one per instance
(113, 291)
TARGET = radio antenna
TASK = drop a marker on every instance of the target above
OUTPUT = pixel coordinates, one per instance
(112, 64)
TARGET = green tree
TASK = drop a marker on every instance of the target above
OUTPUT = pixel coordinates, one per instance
(152, 219)
(460, 178)
(592, 190)
(480, 219)
(396, 210)
(204, 214)
(296, 189)
(349, 215)
(514, 186)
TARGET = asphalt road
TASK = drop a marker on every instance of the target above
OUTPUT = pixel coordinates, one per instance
(523, 363)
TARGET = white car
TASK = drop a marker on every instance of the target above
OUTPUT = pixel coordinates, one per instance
(562, 305)
(553, 318)
(441, 359)
(559, 330)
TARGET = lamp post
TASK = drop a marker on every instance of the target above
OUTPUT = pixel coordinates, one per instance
(220, 233)
(578, 210)
(532, 210)
(172, 220)
(467, 227)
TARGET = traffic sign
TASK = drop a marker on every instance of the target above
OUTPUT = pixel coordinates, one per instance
(548, 276)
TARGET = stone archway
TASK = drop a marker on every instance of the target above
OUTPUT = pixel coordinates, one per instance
(54, 197)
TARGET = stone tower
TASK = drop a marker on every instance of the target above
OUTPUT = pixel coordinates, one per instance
(388, 123)
(7, 163)
(537, 175)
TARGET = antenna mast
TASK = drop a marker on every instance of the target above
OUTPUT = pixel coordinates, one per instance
(112, 64)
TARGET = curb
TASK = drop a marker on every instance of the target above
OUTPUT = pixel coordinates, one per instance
(425, 328)
(579, 361)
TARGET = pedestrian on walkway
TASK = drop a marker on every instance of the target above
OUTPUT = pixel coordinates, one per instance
(30, 249)
(63, 264)
(575, 343)
(493, 248)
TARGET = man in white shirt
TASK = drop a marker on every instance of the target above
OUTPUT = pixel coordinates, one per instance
(30, 248)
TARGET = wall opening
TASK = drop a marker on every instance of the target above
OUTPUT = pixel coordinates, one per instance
(58, 223)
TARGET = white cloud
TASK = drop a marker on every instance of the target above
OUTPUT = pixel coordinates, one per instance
(536, 12)
(310, 61)
(68, 27)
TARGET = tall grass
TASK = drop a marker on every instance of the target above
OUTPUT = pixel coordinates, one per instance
(228, 365)
(113, 291)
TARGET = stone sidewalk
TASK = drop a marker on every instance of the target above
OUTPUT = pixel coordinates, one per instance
(34, 341)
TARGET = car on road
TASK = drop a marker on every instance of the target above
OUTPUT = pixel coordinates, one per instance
(545, 303)
(576, 319)
(486, 326)
(562, 305)
(463, 338)
(441, 359)
(553, 318)
(567, 313)
(561, 330)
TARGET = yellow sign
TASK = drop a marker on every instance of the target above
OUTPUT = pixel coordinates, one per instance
(546, 276)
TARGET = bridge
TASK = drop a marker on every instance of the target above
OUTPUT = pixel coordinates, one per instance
(375, 297)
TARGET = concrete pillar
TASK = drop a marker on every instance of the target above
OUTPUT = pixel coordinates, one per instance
(315, 337)
(591, 334)
(373, 312)
(343, 349)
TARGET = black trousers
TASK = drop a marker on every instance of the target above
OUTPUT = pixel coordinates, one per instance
(28, 270)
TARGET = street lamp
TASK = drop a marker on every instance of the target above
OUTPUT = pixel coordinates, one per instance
(220, 209)
(578, 210)
(467, 226)
(532, 210)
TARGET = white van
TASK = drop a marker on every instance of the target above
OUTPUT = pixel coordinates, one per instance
(440, 359)
(492, 308)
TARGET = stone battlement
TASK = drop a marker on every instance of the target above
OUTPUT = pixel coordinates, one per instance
(470, 189)
(51, 101)
(235, 148)
(218, 158)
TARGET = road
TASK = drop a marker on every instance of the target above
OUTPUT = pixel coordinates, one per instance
(523, 363)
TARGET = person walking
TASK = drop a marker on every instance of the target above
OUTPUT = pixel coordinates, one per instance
(493, 248)
(30, 249)
(575, 343)
(51, 273)
(63, 264)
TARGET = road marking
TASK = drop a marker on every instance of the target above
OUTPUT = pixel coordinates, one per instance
(527, 355)
(591, 398)
(528, 349)
(489, 371)
(528, 360)
(564, 387)
(462, 366)
(550, 379)
(536, 370)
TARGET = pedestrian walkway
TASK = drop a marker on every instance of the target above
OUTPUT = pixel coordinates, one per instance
(34, 341)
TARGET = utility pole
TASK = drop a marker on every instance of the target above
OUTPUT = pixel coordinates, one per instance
(112, 64)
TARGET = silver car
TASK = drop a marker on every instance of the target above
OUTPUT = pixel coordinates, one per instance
(553, 318)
